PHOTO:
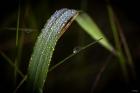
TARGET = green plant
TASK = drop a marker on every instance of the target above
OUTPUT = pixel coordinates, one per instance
(45, 45)
(53, 30)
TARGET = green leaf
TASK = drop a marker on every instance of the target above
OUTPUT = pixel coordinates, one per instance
(92, 29)
(44, 47)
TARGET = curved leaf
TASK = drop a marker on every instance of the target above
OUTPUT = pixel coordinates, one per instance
(44, 47)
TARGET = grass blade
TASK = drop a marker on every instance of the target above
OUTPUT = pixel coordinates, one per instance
(98, 77)
(11, 63)
(119, 38)
(92, 29)
(120, 54)
(73, 54)
(44, 47)
(18, 44)
(17, 29)
(21, 83)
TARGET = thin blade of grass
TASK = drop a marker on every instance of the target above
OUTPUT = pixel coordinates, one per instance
(119, 54)
(26, 30)
(117, 31)
(85, 21)
(17, 43)
(44, 47)
(17, 28)
(98, 77)
(11, 63)
(21, 83)
(73, 54)
(127, 52)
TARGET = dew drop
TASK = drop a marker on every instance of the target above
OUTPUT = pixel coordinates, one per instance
(76, 49)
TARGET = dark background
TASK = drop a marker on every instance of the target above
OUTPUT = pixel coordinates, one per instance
(78, 74)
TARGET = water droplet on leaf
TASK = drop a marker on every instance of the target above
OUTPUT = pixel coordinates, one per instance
(76, 49)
